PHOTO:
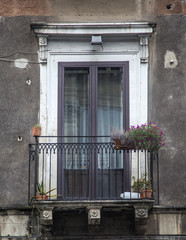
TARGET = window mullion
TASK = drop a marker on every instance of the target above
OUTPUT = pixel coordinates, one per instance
(93, 101)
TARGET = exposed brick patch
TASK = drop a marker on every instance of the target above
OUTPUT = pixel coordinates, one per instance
(25, 7)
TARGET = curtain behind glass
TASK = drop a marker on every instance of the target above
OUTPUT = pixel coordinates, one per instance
(110, 99)
(110, 109)
(76, 102)
(76, 112)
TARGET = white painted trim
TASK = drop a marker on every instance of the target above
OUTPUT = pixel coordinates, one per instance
(122, 42)
(127, 28)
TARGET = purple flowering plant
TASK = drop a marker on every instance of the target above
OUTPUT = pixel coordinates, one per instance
(147, 136)
(122, 136)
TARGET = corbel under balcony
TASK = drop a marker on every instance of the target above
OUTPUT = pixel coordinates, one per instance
(94, 211)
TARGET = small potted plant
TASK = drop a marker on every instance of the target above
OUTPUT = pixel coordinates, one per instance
(36, 130)
(41, 194)
(122, 140)
(142, 186)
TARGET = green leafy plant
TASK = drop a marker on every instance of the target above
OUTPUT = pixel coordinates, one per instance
(37, 125)
(41, 191)
(140, 184)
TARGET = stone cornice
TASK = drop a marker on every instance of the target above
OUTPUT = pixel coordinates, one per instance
(85, 29)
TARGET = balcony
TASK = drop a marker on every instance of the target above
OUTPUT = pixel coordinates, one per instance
(80, 169)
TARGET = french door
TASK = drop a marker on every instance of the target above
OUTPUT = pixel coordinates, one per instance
(93, 98)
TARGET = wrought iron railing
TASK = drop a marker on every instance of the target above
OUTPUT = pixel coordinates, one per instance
(90, 168)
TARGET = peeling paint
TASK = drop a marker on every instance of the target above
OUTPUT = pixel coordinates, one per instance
(14, 225)
(170, 60)
(21, 63)
(170, 97)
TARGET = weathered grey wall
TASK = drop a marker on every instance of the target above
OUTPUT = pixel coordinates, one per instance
(167, 91)
(19, 102)
(18, 106)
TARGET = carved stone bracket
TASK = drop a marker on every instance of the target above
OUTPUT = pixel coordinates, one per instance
(46, 214)
(43, 49)
(94, 215)
(46, 221)
(141, 213)
(141, 217)
(143, 40)
(144, 49)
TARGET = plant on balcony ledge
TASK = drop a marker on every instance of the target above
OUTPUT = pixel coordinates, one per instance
(122, 140)
(146, 136)
(41, 194)
(36, 130)
(142, 186)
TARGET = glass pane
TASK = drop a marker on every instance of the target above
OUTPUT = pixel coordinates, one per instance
(76, 115)
(110, 110)
(76, 101)
(110, 99)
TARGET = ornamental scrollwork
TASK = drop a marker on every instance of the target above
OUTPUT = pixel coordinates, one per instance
(143, 40)
(42, 41)
(141, 213)
(46, 214)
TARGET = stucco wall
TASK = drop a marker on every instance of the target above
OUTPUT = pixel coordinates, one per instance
(18, 105)
(19, 102)
(167, 103)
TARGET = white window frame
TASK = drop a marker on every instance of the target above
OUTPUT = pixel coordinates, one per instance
(71, 43)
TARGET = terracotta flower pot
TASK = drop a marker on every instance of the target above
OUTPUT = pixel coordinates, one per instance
(146, 193)
(41, 197)
(36, 131)
(119, 145)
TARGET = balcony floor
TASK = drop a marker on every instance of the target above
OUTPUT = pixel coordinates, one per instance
(70, 205)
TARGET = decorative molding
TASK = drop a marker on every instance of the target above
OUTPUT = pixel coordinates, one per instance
(46, 216)
(144, 59)
(94, 215)
(134, 30)
(46, 221)
(144, 40)
(42, 41)
(141, 217)
(141, 213)
(43, 49)
(89, 29)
